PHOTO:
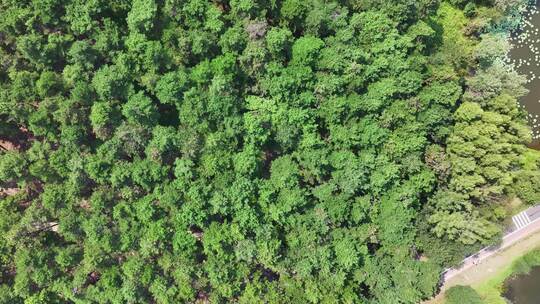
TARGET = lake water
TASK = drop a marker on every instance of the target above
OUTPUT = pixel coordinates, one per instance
(525, 55)
(524, 289)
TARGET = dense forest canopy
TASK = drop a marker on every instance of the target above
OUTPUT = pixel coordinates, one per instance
(253, 151)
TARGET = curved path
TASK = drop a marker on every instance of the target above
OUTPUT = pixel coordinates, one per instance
(488, 260)
(508, 240)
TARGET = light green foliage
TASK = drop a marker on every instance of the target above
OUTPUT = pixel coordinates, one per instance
(140, 109)
(110, 82)
(171, 86)
(458, 49)
(101, 119)
(484, 150)
(278, 40)
(492, 47)
(527, 182)
(141, 16)
(305, 50)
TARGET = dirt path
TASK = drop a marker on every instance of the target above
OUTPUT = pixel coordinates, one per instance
(481, 268)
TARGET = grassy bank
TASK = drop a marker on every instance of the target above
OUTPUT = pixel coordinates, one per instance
(487, 277)
(491, 290)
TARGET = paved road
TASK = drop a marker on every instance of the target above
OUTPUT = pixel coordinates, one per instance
(524, 241)
(524, 224)
(524, 218)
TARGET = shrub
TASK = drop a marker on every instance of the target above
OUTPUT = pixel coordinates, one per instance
(462, 294)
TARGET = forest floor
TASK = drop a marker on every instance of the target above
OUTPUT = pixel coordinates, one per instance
(476, 271)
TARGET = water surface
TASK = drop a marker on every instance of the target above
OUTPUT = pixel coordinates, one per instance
(524, 289)
(525, 56)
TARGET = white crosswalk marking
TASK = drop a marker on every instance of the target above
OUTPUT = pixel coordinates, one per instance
(521, 220)
(516, 223)
(526, 217)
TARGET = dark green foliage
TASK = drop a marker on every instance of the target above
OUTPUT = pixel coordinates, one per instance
(247, 151)
(462, 294)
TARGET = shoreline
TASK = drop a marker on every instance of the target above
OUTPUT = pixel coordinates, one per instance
(498, 261)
